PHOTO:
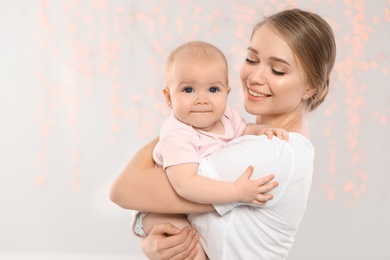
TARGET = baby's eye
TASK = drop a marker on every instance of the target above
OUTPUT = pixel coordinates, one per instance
(213, 89)
(188, 90)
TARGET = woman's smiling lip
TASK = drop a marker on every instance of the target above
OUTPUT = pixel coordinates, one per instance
(256, 94)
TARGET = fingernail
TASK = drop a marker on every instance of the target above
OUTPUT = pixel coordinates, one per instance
(176, 229)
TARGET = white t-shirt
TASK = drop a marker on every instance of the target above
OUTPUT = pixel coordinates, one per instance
(247, 232)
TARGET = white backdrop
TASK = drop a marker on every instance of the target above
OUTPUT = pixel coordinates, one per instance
(81, 92)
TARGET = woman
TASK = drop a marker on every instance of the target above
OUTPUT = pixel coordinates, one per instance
(285, 76)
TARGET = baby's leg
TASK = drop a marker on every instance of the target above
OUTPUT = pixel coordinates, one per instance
(178, 220)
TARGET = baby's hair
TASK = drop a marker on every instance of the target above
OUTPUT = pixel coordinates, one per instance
(198, 51)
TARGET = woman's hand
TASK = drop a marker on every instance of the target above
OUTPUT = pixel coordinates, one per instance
(167, 242)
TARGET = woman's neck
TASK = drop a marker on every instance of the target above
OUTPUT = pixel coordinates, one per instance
(295, 123)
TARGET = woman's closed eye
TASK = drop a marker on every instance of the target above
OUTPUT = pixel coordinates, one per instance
(278, 72)
(249, 61)
(274, 71)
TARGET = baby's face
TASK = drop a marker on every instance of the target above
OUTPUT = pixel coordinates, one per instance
(198, 91)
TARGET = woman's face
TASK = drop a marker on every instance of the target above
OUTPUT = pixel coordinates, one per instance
(273, 80)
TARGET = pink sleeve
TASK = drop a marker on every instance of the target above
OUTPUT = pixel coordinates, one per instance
(238, 122)
(180, 146)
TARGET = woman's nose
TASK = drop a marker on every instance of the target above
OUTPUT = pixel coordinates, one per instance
(257, 77)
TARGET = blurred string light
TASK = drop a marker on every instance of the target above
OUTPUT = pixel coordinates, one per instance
(95, 44)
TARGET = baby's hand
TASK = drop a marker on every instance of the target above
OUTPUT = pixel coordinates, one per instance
(254, 191)
(274, 131)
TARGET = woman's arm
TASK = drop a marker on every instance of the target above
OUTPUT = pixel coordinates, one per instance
(142, 186)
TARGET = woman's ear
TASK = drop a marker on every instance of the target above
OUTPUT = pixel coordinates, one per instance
(310, 91)
(167, 96)
(228, 89)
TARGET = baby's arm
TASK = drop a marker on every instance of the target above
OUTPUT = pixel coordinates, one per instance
(189, 185)
(256, 129)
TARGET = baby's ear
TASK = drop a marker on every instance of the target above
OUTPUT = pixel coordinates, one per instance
(167, 96)
(228, 89)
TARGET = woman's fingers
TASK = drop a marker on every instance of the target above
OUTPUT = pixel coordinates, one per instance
(187, 249)
(178, 246)
(165, 229)
(167, 242)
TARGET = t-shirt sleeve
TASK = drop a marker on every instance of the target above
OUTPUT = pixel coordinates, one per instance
(266, 156)
(179, 146)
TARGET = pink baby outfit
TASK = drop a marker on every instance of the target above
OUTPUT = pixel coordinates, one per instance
(181, 143)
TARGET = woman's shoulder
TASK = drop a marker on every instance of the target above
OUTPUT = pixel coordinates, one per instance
(301, 139)
(296, 141)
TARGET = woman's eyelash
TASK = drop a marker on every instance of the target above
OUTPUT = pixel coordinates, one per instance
(275, 72)
(250, 61)
(278, 73)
